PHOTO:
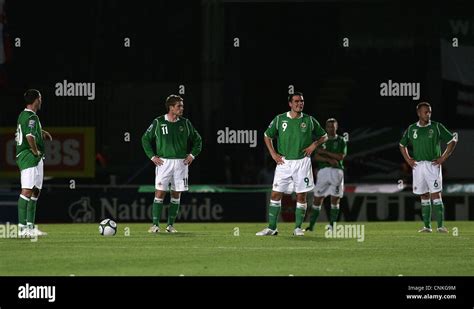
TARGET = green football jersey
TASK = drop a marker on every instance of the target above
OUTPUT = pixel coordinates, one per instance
(294, 135)
(171, 138)
(334, 145)
(28, 124)
(426, 140)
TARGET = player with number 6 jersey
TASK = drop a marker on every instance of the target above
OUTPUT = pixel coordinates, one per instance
(425, 137)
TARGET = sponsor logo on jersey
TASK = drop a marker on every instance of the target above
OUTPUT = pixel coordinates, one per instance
(181, 128)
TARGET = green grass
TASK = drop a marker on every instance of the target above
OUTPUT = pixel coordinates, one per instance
(389, 249)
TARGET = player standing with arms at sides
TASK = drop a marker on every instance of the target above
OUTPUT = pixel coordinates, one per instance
(171, 133)
(425, 137)
(29, 139)
(294, 132)
(330, 179)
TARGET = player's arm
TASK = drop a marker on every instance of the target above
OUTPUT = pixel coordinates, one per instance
(310, 149)
(147, 144)
(449, 150)
(406, 156)
(404, 150)
(331, 155)
(32, 142)
(322, 158)
(451, 139)
(269, 143)
(316, 130)
(338, 155)
(46, 135)
(196, 141)
(30, 135)
(270, 133)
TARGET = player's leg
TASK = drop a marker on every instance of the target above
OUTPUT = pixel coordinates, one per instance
(321, 190)
(434, 179)
(426, 213)
(438, 208)
(315, 211)
(281, 183)
(31, 209)
(163, 174)
(23, 200)
(420, 187)
(273, 213)
(27, 185)
(334, 210)
(304, 182)
(157, 209)
(179, 183)
(173, 211)
(337, 191)
(300, 212)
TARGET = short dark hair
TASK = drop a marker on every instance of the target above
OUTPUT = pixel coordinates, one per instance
(331, 120)
(171, 100)
(290, 97)
(423, 104)
(31, 95)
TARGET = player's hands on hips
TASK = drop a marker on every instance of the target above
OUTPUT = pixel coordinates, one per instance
(189, 159)
(438, 161)
(309, 150)
(157, 160)
(412, 163)
(278, 159)
(47, 135)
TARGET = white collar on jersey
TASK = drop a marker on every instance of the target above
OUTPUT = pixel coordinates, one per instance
(29, 110)
(167, 119)
(419, 125)
(289, 116)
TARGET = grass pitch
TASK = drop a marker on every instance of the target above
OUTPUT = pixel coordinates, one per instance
(210, 249)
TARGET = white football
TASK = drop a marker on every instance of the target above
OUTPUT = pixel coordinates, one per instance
(107, 227)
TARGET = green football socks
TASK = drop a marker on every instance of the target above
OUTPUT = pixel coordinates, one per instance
(426, 212)
(157, 208)
(273, 213)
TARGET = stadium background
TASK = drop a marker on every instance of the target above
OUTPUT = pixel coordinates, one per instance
(280, 44)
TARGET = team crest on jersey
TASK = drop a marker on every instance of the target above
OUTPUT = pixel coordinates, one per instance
(181, 128)
(31, 124)
(303, 127)
(430, 133)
